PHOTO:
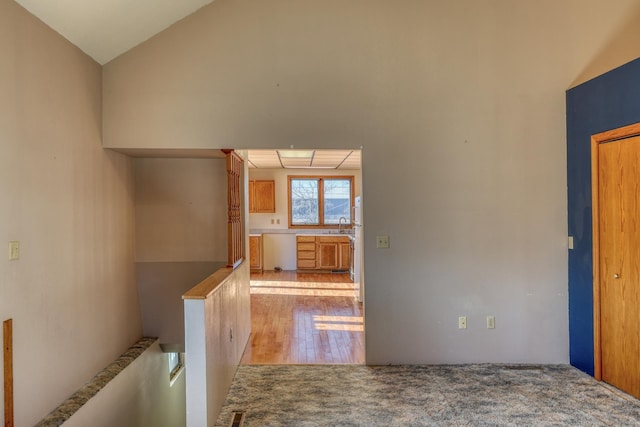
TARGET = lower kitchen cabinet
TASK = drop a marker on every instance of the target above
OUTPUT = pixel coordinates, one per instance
(256, 253)
(305, 252)
(323, 253)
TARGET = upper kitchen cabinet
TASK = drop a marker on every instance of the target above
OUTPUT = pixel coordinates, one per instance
(262, 196)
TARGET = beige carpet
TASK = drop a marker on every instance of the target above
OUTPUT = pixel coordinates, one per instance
(466, 395)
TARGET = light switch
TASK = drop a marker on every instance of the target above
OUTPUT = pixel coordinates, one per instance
(570, 242)
(382, 242)
(14, 250)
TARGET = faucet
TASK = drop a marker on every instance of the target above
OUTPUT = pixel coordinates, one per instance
(340, 224)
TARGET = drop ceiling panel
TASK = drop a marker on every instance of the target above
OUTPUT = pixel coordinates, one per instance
(329, 159)
(295, 163)
(352, 162)
(264, 159)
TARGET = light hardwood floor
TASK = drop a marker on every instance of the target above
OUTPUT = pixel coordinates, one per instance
(304, 318)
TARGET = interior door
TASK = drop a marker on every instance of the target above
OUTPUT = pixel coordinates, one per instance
(619, 262)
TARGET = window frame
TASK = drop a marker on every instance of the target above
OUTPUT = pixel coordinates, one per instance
(321, 179)
(174, 372)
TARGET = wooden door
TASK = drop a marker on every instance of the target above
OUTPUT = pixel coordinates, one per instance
(618, 260)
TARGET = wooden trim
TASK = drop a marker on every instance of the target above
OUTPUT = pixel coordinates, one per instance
(595, 224)
(235, 225)
(205, 288)
(7, 351)
(615, 134)
(596, 140)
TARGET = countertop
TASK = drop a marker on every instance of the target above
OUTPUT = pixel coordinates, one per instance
(307, 231)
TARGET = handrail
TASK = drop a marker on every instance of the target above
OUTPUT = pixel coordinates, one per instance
(209, 285)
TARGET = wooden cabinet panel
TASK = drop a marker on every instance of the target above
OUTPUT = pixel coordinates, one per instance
(345, 256)
(262, 196)
(307, 263)
(306, 252)
(256, 253)
(327, 255)
(251, 196)
(305, 246)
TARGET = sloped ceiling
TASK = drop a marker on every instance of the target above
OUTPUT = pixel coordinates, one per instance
(105, 29)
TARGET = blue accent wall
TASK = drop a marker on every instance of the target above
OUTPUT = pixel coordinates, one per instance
(607, 102)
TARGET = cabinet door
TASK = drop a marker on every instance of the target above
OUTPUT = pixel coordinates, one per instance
(327, 253)
(251, 197)
(264, 196)
(255, 253)
(345, 256)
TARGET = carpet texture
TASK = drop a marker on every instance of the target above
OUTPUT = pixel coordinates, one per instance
(460, 395)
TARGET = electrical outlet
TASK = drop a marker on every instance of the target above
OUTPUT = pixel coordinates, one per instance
(14, 250)
(278, 221)
(491, 322)
(462, 322)
(273, 221)
(382, 242)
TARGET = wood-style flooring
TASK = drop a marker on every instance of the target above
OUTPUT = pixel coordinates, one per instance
(304, 318)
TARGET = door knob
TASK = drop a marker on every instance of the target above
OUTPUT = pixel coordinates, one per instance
(616, 276)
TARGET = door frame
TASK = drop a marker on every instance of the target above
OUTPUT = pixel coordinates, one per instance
(597, 139)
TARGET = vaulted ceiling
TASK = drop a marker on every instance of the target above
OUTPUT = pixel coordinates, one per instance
(105, 29)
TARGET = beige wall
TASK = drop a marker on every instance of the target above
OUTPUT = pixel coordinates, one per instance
(71, 294)
(139, 396)
(460, 108)
(181, 210)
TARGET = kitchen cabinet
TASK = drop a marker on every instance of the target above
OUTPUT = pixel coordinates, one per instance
(262, 196)
(323, 253)
(256, 253)
(305, 252)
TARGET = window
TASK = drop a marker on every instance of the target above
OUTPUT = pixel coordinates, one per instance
(320, 201)
(176, 364)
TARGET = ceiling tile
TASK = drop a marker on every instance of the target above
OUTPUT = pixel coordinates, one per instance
(330, 159)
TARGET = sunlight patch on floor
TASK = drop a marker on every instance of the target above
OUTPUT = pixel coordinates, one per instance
(338, 323)
(259, 287)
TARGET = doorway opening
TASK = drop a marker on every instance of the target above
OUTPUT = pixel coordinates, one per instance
(305, 251)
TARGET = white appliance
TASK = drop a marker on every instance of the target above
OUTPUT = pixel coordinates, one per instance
(357, 273)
